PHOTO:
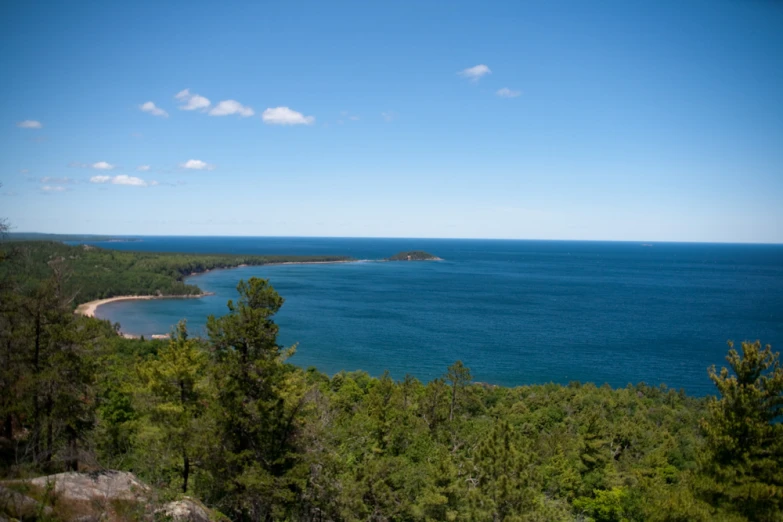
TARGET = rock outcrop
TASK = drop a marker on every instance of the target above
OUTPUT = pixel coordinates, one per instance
(103, 485)
(94, 497)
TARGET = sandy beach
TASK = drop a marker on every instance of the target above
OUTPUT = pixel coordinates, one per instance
(90, 308)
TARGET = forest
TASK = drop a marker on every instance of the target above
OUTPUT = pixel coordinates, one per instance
(97, 273)
(228, 419)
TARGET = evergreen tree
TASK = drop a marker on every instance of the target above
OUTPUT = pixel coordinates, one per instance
(744, 459)
(259, 401)
(458, 375)
(175, 380)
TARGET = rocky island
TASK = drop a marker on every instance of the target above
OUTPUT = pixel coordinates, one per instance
(414, 255)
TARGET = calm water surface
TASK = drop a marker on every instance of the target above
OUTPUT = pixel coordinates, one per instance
(516, 312)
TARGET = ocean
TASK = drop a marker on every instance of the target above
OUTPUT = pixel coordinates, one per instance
(515, 312)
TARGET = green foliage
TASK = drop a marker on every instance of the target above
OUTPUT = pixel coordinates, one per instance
(413, 255)
(605, 506)
(173, 384)
(97, 273)
(230, 421)
(744, 456)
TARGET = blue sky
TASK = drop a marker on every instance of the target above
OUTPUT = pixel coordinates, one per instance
(623, 120)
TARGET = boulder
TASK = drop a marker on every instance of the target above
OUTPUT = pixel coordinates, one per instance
(102, 485)
(185, 510)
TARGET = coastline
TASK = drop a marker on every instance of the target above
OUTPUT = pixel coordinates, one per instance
(90, 308)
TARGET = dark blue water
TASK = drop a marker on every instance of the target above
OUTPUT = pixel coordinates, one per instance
(515, 312)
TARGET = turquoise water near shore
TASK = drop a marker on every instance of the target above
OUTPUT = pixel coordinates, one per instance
(516, 312)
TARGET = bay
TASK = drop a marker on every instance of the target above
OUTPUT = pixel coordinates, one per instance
(515, 312)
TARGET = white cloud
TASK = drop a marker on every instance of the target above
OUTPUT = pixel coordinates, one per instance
(102, 165)
(120, 179)
(228, 107)
(154, 183)
(286, 116)
(389, 115)
(53, 188)
(124, 179)
(143, 168)
(152, 109)
(475, 73)
(25, 171)
(29, 124)
(195, 164)
(505, 92)
(191, 102)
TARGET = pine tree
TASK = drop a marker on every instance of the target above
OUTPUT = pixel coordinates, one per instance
(175, 380)
(259, 405)
(744, 459)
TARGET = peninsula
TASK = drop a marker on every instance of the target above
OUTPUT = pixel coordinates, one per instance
(92, 275)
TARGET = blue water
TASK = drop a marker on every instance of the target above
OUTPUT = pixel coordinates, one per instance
(515, 312)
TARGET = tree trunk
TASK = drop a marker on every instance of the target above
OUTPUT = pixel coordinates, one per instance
(72, 460)
(185, 471)
(36, 371)
(49, 430)
(8, 427)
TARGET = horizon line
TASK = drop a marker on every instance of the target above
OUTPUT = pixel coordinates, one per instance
(644, 241)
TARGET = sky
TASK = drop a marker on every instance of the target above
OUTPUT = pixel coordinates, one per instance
(612, 120)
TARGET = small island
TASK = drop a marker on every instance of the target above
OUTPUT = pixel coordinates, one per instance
(414, 255)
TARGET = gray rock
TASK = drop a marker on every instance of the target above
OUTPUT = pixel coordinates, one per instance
(185, 510)
(104, 485)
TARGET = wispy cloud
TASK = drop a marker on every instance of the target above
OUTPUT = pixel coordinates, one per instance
(121, 179)
(24, 171)
(195, 164)
(143, 168)
(48, 180)
(505, 92)
(100, 165)
(53, 188)
(286, 116)
(191, 102)
(229, 107)
(389, 115)
(152, 109)
(29, 124)
(475, 73)
(347, 116)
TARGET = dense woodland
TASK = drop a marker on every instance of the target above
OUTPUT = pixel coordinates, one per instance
(229, 420)
(91, 273)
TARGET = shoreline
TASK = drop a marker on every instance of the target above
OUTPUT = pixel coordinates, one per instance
(90, 308)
